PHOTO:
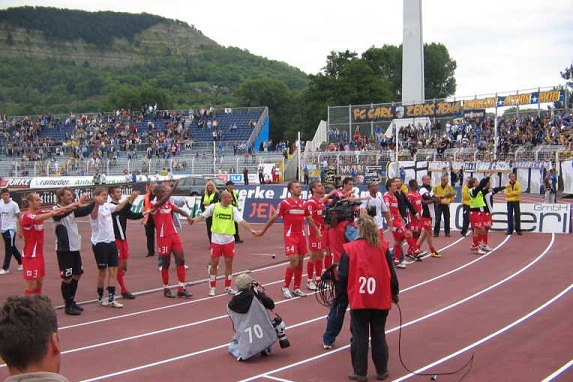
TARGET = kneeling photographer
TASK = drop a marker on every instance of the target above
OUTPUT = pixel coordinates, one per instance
(255, 332)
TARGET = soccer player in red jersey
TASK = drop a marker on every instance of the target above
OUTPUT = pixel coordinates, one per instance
(168, 240)
(293, 213)
(428, 199)
(415, 199)
(32, 225)
(315, 208)
(399, 230)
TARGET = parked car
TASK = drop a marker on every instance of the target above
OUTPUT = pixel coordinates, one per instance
(195, 185)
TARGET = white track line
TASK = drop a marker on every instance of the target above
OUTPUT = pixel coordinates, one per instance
(558, 372)
(278, 379)
(187, 302)
(143, 335)
(127, 315)
(316, 319)
(421, 318)
(487, 338)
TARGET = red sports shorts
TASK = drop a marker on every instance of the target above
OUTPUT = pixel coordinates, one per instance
(317, 245)
(34, 267)
(399, 232)
(426, 223)
(122, 249)
(295, 245)
(225, 250)
(478, 219)
(487, 220)
(415, 225)
(168, 244)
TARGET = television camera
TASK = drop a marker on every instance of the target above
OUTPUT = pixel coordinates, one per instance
(342, 210)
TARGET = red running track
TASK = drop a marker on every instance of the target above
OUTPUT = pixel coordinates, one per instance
(509, 308)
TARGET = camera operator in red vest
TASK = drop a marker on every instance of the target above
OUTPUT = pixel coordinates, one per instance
(366, 275)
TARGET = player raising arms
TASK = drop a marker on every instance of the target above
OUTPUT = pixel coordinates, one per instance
(119, 229)
(428, 200)
(293, 213)
(315, 208)
(168, 240)
(32, 225)
(222, 240)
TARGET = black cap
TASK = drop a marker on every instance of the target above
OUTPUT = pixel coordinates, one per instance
(229, 183)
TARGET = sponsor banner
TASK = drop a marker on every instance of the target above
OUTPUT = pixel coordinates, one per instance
(387, 113)
(474, 114)
(532, 164)
(438, 165)
(259, 203)
(74, 181)
(236, 178)
(468, 167)
(253, 178)
(535, 217)
(483, 103)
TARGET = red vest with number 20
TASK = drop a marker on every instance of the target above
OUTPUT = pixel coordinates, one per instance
(368, 276)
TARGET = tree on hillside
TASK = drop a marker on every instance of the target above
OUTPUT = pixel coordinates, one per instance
(271, 93)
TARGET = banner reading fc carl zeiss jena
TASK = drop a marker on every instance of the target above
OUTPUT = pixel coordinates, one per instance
(439, 109)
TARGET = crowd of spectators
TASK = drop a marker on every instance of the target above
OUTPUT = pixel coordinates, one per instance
(525, 131)
(159, 134)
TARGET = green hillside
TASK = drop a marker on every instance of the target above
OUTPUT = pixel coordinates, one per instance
(58, 60)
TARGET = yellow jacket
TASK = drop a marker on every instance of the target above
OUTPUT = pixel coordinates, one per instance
(404, 189)
(465, 195)
(513, 193)
(440, 191)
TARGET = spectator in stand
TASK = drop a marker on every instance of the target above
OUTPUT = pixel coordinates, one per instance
(513, 198)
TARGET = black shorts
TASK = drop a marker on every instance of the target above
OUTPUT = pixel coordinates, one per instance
(105, 255)
(70, 263)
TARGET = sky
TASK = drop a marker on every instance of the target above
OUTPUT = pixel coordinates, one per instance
(500, 46)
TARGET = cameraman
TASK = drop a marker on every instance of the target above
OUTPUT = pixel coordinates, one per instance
(254, 332)
(340, 232)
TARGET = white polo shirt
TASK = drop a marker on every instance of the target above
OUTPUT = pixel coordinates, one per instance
(9, 213)
(102, 226)
(381, 207)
